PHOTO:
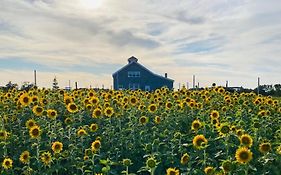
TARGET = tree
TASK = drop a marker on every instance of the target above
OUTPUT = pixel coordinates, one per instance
(27, 85)
(55, 84)
(11, 85)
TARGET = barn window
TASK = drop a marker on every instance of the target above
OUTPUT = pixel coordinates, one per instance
(134, 74)
(134, 86)
(120, 86)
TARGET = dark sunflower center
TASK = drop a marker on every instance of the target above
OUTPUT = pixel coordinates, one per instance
(2, 134)
(199, 142)
(245, 140)
(265, 147)
(25, 156)
(133, 100)
(196, 125)
(152, 108)
(172, 173)
(244, 155)
(67, 101)
(39, 109)
(97, 145)
(35, 132)
(73, 107)
(25, 100)
(225, 129)
(169, 105)
(143, 120)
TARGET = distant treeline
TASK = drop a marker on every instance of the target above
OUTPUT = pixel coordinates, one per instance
(267, 90)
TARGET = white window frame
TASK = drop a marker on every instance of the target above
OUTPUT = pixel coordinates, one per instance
(133, 74)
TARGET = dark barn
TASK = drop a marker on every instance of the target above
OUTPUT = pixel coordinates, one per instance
(135, 76)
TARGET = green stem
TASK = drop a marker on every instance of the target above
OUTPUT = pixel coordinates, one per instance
(127, 170)
(152, 171)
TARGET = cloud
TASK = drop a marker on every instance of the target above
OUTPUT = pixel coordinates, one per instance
(219, 40)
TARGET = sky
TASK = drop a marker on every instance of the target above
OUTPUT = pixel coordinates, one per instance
(85, 41)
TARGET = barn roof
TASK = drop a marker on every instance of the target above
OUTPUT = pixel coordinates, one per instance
(134, 60)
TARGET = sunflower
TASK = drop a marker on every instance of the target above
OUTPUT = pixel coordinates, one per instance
(196, 124)
(214, 114)
(94, 100)
(215, 121)
(199, 141)
(37, 110)
(168, 105)
(91, 93)
(34, 132)
(152, 108)
(81, 132)
(94, 127)
(246, 140)
(67, 99)
(89, 107)
(97, 113)
(262, 113)
(127, 162)
(52, 114)
(133, 100)
(278, 150)
(46, 158)
(227, 166)
(264, 147)
(67, 120)
(3, 135)
(151, 162)
(239, 132)
(224, 128)
(72, 108)
(243, 155)
(30, 123)
(96, 145)
(7, 163)
(221, 90)
(86, 158)
(34, 99)
(57, 147)
(172, 171)
(143, 120)
(24, 157)
(24, 99)
(108, 111)
(209, 170)
(157, 119)
(184, 158)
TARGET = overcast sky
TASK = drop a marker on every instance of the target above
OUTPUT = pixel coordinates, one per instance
(88, 40)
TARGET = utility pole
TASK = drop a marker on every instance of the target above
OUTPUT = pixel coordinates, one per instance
(193, 81)
(226, 84)
(35, 83)
(76, 86)
(258, 85)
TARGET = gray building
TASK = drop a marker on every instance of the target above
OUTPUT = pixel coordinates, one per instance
(135, 76)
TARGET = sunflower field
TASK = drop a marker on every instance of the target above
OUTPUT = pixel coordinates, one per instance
(188, 132)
